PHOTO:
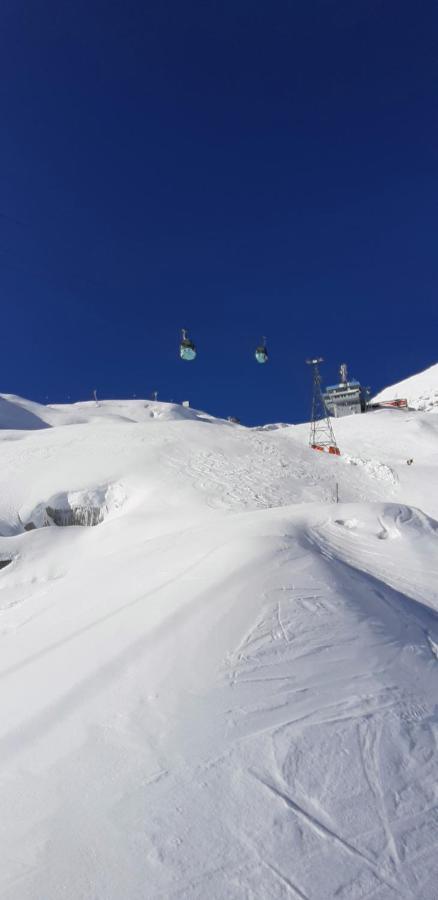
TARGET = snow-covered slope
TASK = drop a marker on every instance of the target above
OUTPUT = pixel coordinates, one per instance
(421, 390)
(227, 688)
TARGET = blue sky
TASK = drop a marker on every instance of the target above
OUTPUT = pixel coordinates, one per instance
(236, 168)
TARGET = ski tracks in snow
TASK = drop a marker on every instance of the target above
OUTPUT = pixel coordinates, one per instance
(261, 473)
(327, 832)
(309, 656)
(369, 739)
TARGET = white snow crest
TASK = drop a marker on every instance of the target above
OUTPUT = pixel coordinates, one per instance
(421, 390)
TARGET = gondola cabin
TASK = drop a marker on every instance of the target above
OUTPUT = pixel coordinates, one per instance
(261, 353)
(187, 349)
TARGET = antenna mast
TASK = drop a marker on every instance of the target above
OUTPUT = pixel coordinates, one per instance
(321, 430)
(343, 373)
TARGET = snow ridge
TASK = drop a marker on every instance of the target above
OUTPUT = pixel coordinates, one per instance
(421, 390)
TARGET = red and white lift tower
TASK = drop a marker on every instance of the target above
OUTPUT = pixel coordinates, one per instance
(322, 436)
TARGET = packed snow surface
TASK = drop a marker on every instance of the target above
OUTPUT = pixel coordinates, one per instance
(227, 687)
(421, 390)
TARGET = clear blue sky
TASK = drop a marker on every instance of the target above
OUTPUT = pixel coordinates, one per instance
(237, 168)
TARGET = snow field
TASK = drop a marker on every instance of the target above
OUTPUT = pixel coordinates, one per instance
(228, 688)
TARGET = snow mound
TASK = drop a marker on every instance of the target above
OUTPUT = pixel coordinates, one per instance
(392, 543)
(19, 415)
(373, 467)
(85, 507)
(421, 390)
